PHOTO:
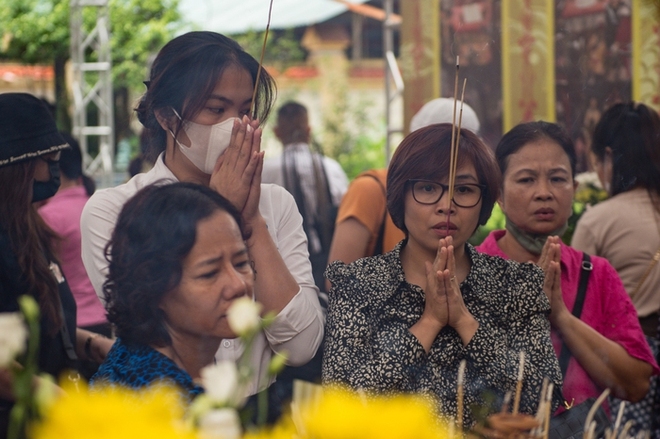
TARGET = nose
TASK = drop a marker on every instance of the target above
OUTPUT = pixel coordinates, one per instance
(543, 191)
(444, 204)
(236, 286)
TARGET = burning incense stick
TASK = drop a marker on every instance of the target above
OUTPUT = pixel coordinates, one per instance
(547, 414)
(454, 134)
(452, 150)
(506, 402)
(521, 369)
(459, 411)
(592, 411)
(253, 109)
(619, 416)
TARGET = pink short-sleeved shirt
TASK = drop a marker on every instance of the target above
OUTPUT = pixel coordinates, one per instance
(62, 213)
(607, 309)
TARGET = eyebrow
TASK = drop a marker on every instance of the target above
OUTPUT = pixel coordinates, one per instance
(534, 172)
(464, 177)
(229, 101)
(216, 259)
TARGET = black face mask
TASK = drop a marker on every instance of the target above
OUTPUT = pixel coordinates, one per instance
(42, 190)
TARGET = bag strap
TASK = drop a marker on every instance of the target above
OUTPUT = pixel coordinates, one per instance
(585, 272)
(378, 249)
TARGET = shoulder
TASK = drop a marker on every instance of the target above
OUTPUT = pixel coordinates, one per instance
(273, 196)
(489, 245)
(278, 207)
(507, 280)
(366, 277)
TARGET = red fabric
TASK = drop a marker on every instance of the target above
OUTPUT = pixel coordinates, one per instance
(607, 309)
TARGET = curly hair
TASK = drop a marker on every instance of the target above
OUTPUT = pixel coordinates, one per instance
(155, 231)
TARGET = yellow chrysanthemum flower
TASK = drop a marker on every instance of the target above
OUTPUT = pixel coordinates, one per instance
(345, 415)
(115, 412)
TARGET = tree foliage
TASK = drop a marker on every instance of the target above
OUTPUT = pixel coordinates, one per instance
(38, 32)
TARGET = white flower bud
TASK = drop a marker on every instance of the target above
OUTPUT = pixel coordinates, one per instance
(13, 335)
(243, 316)
(220, 381)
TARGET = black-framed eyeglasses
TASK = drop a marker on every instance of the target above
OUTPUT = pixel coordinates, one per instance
(430, 192)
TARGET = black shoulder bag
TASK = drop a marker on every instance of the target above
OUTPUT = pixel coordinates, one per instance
(570, 423)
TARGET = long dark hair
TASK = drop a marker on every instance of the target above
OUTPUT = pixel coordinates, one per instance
(632, 132)
(31, 239)
(184, 74)
(155, 231)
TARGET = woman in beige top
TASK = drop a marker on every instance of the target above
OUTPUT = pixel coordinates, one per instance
(625, 229)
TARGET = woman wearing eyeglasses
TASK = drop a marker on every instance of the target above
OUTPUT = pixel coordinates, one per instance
(403, 321)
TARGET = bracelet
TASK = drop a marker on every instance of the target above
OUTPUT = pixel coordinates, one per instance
(88, 346)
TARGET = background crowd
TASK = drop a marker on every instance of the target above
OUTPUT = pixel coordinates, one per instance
(372, 285)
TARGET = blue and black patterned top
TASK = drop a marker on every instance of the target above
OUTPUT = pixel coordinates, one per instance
(138, 366)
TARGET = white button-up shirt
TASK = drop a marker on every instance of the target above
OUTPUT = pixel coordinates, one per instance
(296, 330)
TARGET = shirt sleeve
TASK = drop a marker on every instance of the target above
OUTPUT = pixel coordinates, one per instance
(365, 202)
(298, 328)
(360, 351)
(619, 322)
(96, 225)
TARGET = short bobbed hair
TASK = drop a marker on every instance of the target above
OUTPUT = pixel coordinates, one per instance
(529, 132)
(185, 73)
(155, 231)
(424, 154)
(632, 132)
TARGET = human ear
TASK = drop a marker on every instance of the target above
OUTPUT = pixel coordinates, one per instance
(166, 121)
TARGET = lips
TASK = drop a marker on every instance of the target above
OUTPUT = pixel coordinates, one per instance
(544, 213)
(441, 228)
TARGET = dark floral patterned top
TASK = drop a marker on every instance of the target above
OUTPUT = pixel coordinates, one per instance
(369, 346)
(138, 366)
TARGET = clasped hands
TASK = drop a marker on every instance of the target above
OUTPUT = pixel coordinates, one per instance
(549, 261)
(237, 173)
(444, 301)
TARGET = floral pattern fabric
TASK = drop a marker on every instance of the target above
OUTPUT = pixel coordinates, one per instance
(138, 366)
(369, 345)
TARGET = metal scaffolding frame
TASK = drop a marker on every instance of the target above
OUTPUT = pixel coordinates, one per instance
(92, 86)
(392, 75)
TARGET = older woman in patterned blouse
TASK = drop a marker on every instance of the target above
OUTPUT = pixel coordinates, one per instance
(403, 321)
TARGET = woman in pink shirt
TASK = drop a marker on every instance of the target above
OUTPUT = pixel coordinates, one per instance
(607, 347)
(62, 213)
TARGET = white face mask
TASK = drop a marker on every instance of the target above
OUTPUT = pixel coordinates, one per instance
(207, 142)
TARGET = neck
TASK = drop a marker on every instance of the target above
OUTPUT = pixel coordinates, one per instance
(66, 183)
(516, 252)
(414, 258)
(191, 354)
(532, 243)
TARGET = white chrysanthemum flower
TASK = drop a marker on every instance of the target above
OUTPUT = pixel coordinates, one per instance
(13, 336)
(243, 316)
(220, 382)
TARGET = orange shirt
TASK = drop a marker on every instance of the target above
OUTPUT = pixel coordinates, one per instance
(365, 201)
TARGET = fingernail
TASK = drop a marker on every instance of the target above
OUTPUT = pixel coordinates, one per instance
(249, 128)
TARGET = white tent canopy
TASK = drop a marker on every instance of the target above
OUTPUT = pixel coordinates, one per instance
(237, 16)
